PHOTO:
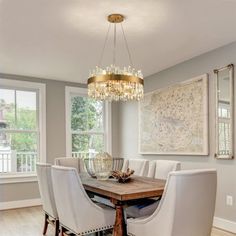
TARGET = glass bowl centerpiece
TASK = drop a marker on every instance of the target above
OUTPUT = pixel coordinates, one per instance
(102, 165)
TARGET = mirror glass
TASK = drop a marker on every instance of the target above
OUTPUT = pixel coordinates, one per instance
(224, 113)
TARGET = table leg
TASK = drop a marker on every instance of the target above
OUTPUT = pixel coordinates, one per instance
(120, 224)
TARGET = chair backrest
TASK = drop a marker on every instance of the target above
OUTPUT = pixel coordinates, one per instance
(74, 162)
(46, 189)
(75, 209)
(187, 206)
(140, 166)
(160, 169)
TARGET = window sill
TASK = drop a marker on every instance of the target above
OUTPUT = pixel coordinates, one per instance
(18, 178)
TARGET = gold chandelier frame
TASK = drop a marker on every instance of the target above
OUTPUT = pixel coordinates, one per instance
(117, 77)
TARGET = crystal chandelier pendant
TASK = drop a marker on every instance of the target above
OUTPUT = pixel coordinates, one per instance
(114, 83)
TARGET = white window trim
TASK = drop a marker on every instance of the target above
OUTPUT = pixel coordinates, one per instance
(24, 177)
(108, 126)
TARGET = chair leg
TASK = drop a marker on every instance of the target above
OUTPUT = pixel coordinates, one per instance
(100, 233)
(62, 231)
(57, 229)
(45, 224)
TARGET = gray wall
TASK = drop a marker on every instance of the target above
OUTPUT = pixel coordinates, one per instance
(55, 134)
(128, 123)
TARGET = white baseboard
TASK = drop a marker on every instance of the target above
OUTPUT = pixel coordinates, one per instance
(225, 224)
(20, 204)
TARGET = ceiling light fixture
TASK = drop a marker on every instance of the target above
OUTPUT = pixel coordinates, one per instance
(114, 83)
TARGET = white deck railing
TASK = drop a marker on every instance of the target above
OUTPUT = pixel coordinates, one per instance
(84, 154)
(13, 161)
(25, 162)
(7, 162)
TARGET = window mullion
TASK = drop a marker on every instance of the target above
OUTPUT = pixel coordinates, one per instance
(18, 131)
(88, 132)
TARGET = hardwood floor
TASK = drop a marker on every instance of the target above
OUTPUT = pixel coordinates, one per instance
(29, 222)
(24, 221)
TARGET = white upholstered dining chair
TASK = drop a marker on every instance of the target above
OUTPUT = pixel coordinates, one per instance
(140, 166)
(77, 213)
(74, 162)
(186, 208)
(158, 169)
(47, 196)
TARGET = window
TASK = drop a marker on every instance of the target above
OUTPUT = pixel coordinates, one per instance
(88, 124)
(22, 127)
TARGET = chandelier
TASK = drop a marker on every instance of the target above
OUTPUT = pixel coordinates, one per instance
(114, 83)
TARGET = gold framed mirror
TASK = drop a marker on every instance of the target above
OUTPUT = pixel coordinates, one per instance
(224, 112)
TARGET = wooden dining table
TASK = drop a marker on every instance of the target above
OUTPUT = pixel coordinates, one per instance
(121, 194)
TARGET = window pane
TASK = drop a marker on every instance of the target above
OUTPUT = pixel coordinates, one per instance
(84, 144)
(78, 113)
(7, 108)
(86, 114)
(18, 109)
(18, 152)
(95, 115)
(26, 110)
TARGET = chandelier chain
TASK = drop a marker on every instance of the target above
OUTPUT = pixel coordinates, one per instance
(127, 46)
(104, 45)
(114, 45)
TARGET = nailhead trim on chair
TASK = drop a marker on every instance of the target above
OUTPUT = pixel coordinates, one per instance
(89, 231)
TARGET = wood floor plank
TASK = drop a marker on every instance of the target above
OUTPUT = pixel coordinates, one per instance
(29, 222)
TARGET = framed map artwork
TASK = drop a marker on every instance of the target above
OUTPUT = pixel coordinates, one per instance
(174, 120)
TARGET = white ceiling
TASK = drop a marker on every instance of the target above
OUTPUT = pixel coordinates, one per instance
(62, 39)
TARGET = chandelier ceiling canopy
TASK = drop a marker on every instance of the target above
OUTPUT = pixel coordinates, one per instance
(114, 83)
